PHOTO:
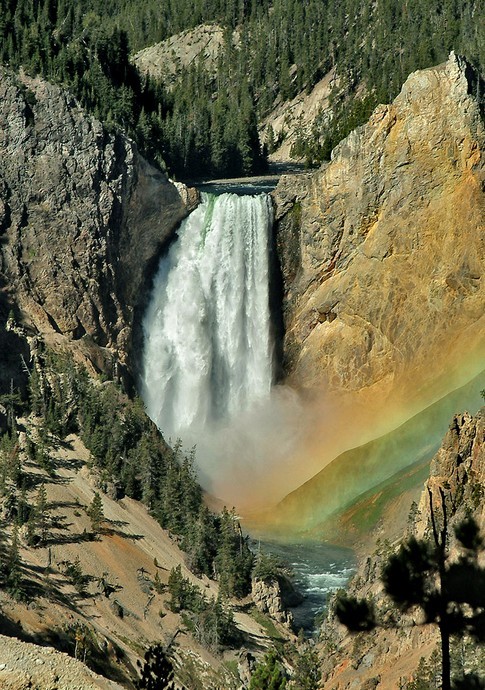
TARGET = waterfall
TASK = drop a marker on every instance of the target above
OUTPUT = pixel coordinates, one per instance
(207, 329)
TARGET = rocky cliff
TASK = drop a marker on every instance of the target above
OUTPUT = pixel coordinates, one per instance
(81, 217)
(383, 248)
(275, 596)
(459, 469)
(389, 658)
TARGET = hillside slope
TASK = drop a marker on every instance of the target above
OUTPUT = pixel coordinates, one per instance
(25, 665)
(165, 60)
(109, 628)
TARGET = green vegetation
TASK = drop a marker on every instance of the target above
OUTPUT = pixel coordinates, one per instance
(206, 124)
(76, 576)
(130, 454)
(268, 674)
(267, 624)
(11, 570)
(234, 561)
(184, 595)
(451, 593)
(424, 676)
(96, 513)
(130, 458)
(209, 620)
(39, 514)
(267, 567)
(85, 46)
(307, 672)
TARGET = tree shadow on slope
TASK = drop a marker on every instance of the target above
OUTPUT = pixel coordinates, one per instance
(74, 464)
(32, 480)
(109, 530)
(68, 538)
(43, 582)
(11, 628)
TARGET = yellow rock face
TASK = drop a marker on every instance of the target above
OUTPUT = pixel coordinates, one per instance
(383, 255)
(389, 292)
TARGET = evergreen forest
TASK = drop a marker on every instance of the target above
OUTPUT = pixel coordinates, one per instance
(207, 124)
(131, 458)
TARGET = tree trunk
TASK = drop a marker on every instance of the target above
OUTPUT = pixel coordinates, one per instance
(445, 656)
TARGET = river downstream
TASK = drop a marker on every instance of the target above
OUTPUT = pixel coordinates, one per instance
(318, 570)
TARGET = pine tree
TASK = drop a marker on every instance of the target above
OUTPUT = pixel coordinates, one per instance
(40, 512)
(307, 670)
(201, 542)
(234, 560)
(13, 568)
(451, 594)
(96, 513)
(422, 677)
(268, 675)
(36, 394)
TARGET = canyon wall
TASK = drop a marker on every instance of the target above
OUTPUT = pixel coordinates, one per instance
(383, 248)
(386, 657)
(363, 472)
(382, 251)
(81, 217)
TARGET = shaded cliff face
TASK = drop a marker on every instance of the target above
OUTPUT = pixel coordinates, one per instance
(383, 249)
(81, 216)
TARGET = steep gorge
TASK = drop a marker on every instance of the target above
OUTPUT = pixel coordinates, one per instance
(383, 256)
(382, 252)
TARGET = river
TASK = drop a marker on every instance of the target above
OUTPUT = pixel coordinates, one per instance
(318, 570)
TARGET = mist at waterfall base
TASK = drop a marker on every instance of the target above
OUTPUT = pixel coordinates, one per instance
(207, 374)
(208, 353)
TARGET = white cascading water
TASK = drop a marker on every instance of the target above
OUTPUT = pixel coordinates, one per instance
(207, 329)
(207, 365)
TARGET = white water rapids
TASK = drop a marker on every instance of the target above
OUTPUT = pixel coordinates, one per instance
(208, 355)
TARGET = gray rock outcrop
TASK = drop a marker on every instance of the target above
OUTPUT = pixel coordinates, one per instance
(82, 215)
(268, 599)
(274, 597)
(24, 665)
(459, 469)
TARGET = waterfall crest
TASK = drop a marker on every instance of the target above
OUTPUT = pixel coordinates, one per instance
(207, 331)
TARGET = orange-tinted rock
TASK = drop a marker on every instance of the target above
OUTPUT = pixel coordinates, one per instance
(383, 249)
